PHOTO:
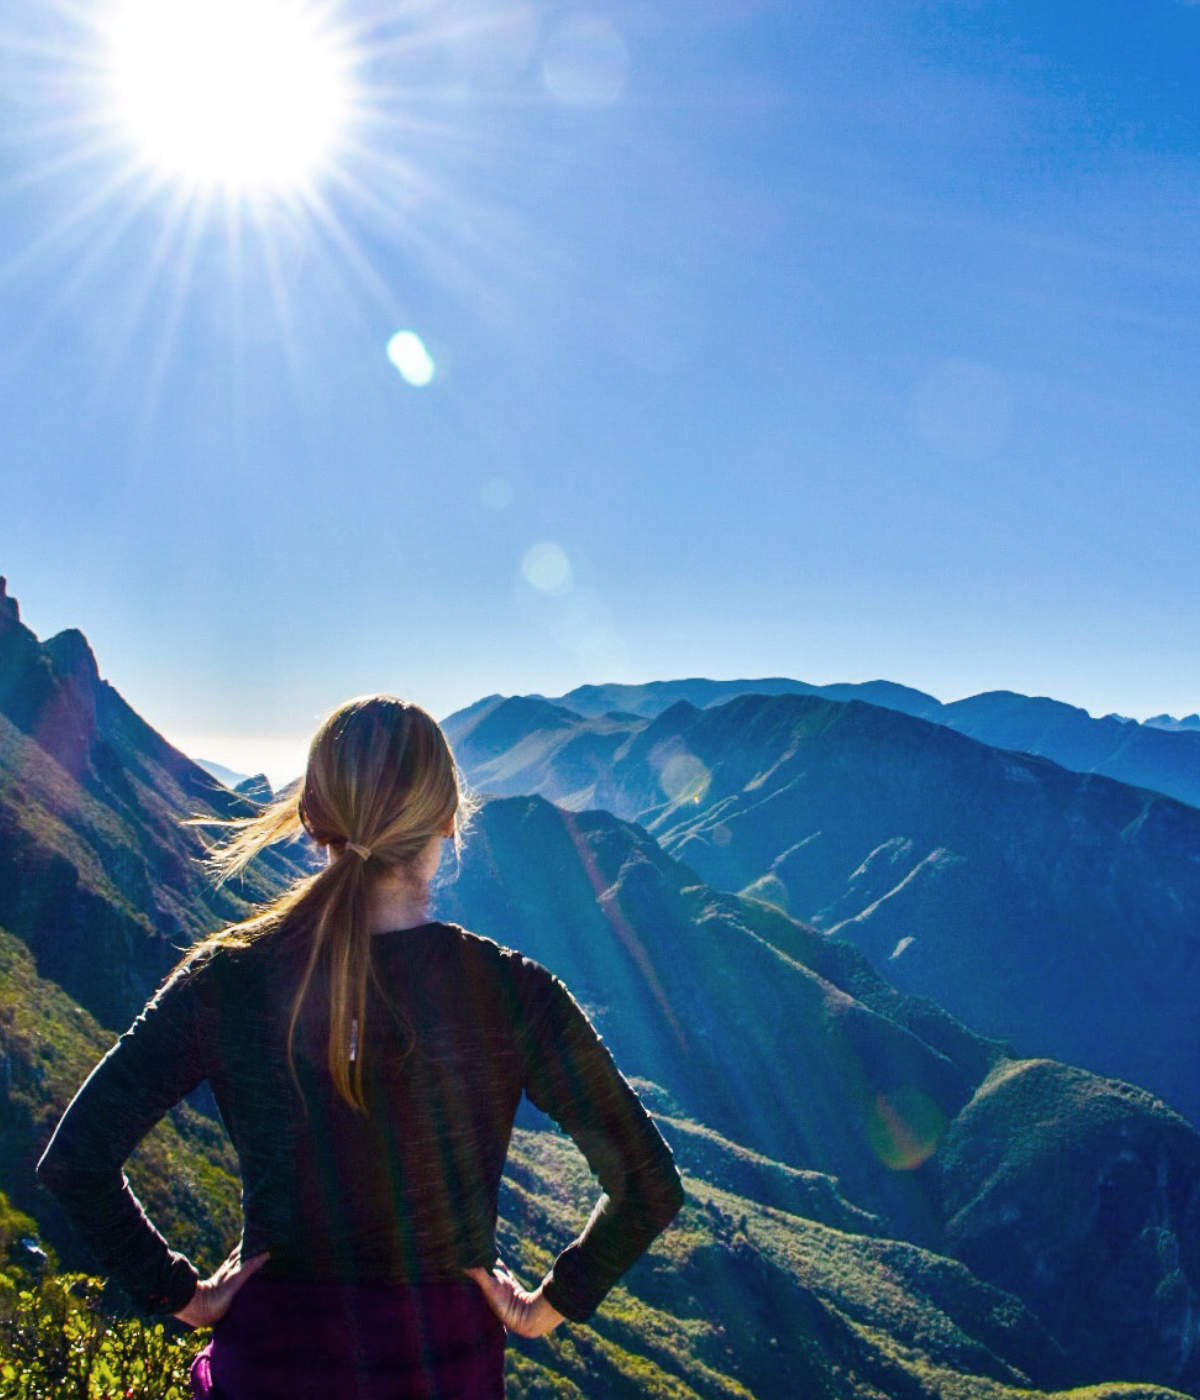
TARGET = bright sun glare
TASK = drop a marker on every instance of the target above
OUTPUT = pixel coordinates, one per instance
(244, 95)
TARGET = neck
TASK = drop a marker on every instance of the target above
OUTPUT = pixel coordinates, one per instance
(392, 907)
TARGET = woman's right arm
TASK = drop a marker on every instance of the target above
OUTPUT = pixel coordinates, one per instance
(150, 1068)
(570, 1075)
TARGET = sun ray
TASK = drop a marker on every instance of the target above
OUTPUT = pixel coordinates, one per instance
(163, 252)
(184, 260)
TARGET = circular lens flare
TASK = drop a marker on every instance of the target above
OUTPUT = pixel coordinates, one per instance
(244, 94)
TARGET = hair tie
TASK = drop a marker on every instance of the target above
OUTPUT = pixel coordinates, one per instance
(362, 852)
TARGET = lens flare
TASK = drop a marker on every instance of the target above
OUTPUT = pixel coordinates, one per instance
(546, 567)
(407, 352)
(585, 62)
(904, 1127)
(684, 778)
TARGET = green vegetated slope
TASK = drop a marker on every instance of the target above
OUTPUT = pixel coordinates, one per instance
(185, 1172)
(741, 1299)
(791, 1045)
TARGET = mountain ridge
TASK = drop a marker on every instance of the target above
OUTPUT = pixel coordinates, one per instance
(1159, 753)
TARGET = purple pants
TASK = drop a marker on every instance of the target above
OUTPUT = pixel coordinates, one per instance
(379, 1341)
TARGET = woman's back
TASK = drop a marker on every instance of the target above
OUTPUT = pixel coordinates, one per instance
(456, 1028)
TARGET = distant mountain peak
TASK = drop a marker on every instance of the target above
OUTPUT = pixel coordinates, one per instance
(9, 610)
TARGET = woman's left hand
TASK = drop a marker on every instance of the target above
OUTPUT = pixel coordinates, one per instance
(213, 1295)
(526, 1314)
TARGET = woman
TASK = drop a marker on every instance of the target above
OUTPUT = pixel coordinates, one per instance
(368, 1064)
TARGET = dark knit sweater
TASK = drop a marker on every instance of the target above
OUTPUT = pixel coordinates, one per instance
(456, 1028)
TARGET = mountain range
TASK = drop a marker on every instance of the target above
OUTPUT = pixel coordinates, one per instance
(882, 1201)
(1049, 908)
(1144, 755)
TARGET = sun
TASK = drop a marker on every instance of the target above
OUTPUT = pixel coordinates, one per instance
(248, 96)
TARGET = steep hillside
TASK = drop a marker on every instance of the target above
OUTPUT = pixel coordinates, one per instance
(841, 1139)
(98, 877)
(1084, 1195)
(185, 1172)
(740, 1299)
(695, 994)
(1166, 759)
(1041, 906)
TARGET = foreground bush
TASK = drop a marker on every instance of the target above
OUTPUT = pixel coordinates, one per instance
(58, 1342)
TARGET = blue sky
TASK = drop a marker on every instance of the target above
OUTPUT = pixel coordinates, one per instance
(789, 338)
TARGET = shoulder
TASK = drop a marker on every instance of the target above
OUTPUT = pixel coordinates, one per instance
(214, 968)
(527, 986)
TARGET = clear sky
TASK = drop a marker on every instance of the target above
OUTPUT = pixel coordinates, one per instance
(810, 338)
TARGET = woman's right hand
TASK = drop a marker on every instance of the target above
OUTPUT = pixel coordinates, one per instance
(213, 1295)
(526, 1314)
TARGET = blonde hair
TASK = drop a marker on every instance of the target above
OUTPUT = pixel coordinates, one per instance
(380, 783)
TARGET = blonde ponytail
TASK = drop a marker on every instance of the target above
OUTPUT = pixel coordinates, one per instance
(379, 785)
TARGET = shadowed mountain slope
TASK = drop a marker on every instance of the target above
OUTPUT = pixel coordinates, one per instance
(1189, 723)
(1042, 906)
(653, 697)
(185, 1172)
(98, 876)
(693, 993)
(1144, 755)
(740, 1299)
(848, 1078)
(1119, 1225)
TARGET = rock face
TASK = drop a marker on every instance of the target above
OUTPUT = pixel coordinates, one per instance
(99, 877)
(9, 610)
(1082, 1196)
(1026, 899)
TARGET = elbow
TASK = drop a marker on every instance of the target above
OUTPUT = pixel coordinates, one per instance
(56, 1170)
(52, 1170)
(674, 1199)
(663, 1198)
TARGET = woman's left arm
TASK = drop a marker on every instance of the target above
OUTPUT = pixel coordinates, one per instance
(151, 1067)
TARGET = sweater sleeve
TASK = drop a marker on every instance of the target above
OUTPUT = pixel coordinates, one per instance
(149, 1069)
(570, 1075)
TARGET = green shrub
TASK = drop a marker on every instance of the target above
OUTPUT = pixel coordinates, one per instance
(59, 1342)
